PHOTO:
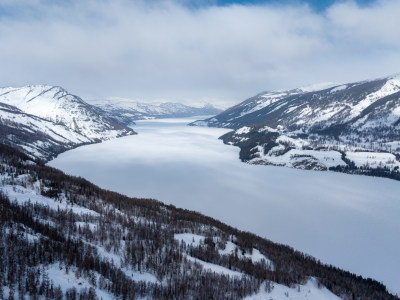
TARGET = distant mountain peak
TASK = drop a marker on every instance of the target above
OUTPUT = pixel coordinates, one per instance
(55, 119)
(291, 127)
(127, 111)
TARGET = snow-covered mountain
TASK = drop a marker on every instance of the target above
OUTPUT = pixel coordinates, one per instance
(341, 127)
(62, 237)
(46, 120)
(127, 111)
(360, 106)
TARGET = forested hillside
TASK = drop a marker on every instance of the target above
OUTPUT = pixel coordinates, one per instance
(65, 238)
(352, 128)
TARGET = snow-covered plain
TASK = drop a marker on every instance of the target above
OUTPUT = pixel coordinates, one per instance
(347, 220)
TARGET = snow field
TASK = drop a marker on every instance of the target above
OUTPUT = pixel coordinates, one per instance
(230, 248)
(314, 212)
(22, 192)
(214, 268)
(293, 157)
(373, 159)
(308, 291)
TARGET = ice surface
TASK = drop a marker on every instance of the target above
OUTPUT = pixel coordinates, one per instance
(350, 221)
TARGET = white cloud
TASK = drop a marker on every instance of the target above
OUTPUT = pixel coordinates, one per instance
(163, 49)
(374, 25)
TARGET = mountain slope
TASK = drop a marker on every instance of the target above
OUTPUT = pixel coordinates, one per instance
(354, 106)
(46, 120)
(62, 236)
(353, 127)
(127, 111)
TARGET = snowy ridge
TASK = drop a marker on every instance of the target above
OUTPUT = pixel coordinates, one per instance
(309, 110)
(320, 127)
(54, 119)
(127, 111)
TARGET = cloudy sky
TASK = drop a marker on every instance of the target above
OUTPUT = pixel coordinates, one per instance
(222, 51)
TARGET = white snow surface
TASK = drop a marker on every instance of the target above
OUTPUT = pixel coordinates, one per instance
(149, 109)
(373, 159)
(267, 129)
(269, 98)
(317, 87)
(390, 87)
(294, 157)
(363, 154)
(243, 130)
(317, 114)
(116, 259)
(255, 256)
(214, 268)
(308, 291)
(200, 123)
(57, 274)
(189, 238)
(67, 281)
(314, 212)
(338, 88)
(22, 194)
(230, 248)
(54, 104)
(58, 132)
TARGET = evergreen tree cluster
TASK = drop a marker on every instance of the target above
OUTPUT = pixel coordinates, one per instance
(140, 233)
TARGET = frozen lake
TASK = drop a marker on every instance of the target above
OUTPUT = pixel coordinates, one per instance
(349, 221)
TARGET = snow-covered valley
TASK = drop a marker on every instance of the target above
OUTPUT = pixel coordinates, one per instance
(62, 237)
(346, 220)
